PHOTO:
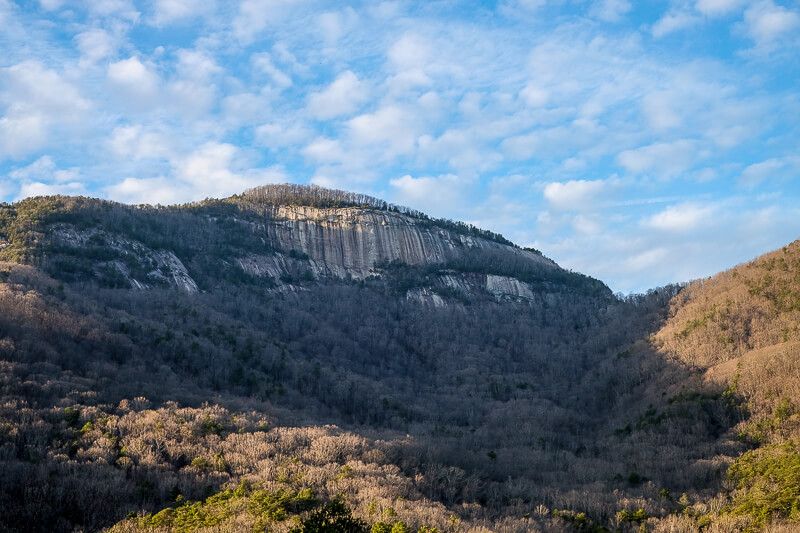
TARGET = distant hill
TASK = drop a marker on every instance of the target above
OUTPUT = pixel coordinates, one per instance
(755, 305)
(742, 327)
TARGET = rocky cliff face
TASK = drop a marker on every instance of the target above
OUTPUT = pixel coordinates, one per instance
(350, 242)
(289, 241)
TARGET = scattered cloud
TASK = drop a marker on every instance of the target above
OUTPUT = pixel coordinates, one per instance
(576, 194)
(674, 21)
(38, 188)
(765, 22)
(136, 83)
(610, 10)
(777, 167)
(715, 8)
(150, 191)
(256, 16)
(342, 97)
(438, 195)
(664, 160)
(36, 102)
(263, 62)
(95, 45)
(167, 12)
(681, 217)
(43, 177)
(521, 118)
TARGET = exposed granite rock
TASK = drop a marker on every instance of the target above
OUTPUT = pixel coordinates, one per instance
(160, 267)
(349, 242)
(425, 296)
(503, 286)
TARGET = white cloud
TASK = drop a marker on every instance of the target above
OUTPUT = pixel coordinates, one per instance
(196, 64)
(136, 143)
(44, 169)
(664, 160)
(221, 169)
(534, 95)
(438, 195)
(255, 16)
(247, 108)
(46, 189)
(661, 109)
(681, 218)
(335, 24)
(410, 57)
(324, 150)
(21, 135)
(148, 191)
(212, 170)
(123, 9)
(51, 5)
(192, 98)
(136, 83)
(37, 101)
(673, 21)
(43, 177)
(587, 225)
(714, 8)
(341, 97)
(647, 259)
(31, 84)
(575, 194)
(263, 63)
(169, 11)
(777, 167)
(277, 135)
(766, 22)
(391, 126)
(95, 44)
(610, 10)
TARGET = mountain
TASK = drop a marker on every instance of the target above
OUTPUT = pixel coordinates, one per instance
(294, 356)
(282, 236)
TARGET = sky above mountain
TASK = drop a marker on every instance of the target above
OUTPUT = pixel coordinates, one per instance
(639, 142)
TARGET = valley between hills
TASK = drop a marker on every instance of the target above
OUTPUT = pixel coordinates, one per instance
(295, 358)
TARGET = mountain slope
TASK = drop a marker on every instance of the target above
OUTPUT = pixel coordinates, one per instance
(174, 353)
(279, 236)
(742, 328)
(752, 306)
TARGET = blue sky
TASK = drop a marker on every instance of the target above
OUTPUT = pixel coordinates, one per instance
(639, 142)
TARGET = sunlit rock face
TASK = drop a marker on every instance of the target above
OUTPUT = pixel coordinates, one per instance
(349, 242)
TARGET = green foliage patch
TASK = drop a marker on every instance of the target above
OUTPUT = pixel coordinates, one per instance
(263, 506)
(767, 483)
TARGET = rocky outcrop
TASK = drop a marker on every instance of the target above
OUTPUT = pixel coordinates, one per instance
(425, 296)
(350, 242)
(504, 286)
(136, 264)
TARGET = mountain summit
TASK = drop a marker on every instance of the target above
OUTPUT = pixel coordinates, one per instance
(280, 236)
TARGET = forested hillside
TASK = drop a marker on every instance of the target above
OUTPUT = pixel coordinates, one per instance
(292, 357)
(742, 327)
